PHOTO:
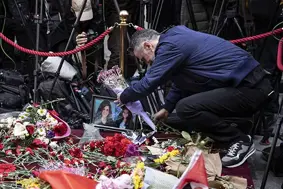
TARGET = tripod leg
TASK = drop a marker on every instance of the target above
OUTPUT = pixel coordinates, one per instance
(239, 27)
(223, 25)
(271, 153)
(215, 27)
(39, 19)
(212, 17)
(157, 14)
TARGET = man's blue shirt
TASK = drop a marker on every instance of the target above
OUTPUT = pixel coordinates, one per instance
(181, 53)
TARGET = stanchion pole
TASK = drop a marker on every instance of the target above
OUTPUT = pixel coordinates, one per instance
(123, 28)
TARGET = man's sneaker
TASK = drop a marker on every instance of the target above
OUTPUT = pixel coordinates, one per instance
(238, 153)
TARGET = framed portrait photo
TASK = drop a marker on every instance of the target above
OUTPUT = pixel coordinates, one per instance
(105, 112)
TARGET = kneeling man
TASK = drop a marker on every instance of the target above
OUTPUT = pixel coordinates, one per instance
(212, 79)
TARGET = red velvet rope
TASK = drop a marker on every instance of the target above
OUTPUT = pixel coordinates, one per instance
(100, 37)
(242, 40)
(29, 51)
(279, 55)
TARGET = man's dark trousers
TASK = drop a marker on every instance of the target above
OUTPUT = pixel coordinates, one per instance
(205, 111)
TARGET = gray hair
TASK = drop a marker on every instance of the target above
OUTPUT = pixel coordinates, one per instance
(141, 36)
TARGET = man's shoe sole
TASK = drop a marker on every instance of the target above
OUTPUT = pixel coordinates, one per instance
(251, 152)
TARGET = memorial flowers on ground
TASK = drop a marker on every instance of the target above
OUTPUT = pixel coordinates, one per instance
(37, 142)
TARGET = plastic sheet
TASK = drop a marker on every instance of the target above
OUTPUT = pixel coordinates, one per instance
(91, 133)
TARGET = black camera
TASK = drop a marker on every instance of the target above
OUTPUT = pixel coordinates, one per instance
(91, 35)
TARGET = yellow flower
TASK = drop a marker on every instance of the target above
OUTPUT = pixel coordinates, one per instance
(140, 165)
(166, 156)
(138, 175)
(137, 181)
(174, 153)
(32, 183)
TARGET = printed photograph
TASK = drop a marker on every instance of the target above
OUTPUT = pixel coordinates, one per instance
(106, 113)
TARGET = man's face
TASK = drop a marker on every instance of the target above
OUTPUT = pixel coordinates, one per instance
(145, 53)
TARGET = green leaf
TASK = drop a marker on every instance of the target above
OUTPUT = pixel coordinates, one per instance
(186, 136)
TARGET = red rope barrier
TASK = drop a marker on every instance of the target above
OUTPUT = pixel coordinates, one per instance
(279, 55)
(242, 40)
(100, 37)
(29, 51)
(263, 35)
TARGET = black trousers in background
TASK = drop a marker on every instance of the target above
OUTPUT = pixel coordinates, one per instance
(204, 112)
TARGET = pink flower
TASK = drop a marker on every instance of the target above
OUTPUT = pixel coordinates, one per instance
(7, 168)
(1, 146)
(18, 150)
(29, 150)
(8, 152)
(35, 173)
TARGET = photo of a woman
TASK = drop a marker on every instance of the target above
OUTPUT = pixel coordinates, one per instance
(104, 114)
(125, 120)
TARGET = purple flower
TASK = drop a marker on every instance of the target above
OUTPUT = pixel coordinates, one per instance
(50, 134)
(132, 150)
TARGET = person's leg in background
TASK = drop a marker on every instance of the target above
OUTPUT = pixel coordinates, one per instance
(205, 112)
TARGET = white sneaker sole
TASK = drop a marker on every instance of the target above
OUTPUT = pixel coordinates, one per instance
(251, 152)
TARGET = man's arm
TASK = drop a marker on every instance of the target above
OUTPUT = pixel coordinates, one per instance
(168, 58)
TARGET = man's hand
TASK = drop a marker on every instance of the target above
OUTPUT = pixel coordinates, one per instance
(81, 39)
(161, 115)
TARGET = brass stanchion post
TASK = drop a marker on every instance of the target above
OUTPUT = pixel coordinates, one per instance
(123, 27)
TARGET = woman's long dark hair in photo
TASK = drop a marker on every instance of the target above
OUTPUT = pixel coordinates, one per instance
(104, 114)
(125, 119)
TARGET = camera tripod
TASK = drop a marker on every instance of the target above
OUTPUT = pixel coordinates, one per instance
(228, 14)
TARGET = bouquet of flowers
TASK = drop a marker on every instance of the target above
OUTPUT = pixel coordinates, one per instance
(114, 80)
(35, 122)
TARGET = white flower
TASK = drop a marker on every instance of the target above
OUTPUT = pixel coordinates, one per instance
(23, 116)
(29, 108)
(10, 121)
(20, 130)
(53, 144)
(42, 112)
(43, 139)
(51, 120)
(26, 123)
(41, 131)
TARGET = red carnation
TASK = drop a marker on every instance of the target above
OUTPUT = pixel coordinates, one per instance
(7, 168)
(60, 129)
(67, 161)
(170, 148)
(35, 173)
(76, 152)
(30, 129)
(29, 150)
(1, 146)
(92, 145)
(61, 157)
(53, 154)
(8, 152)
(102, 165)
